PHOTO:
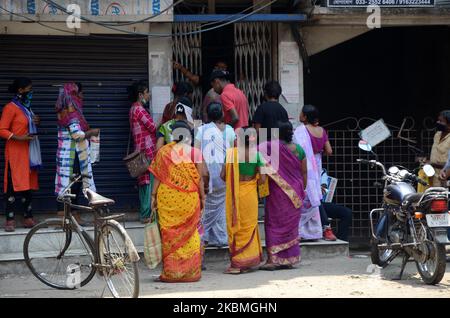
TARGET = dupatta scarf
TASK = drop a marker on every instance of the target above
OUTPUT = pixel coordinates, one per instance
(173, 166)
(34, 145)
(310, 224)
(69, 107)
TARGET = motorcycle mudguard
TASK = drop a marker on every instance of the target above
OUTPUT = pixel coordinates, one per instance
(441, 235)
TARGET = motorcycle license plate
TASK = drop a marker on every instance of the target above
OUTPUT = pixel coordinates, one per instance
(438, 220)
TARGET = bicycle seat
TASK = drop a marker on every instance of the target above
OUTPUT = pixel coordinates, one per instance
(96, 199)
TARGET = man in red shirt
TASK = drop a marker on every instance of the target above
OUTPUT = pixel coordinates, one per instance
(234, 102)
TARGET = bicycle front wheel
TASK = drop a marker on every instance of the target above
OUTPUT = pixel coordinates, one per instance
(119, 270)
(49, 248)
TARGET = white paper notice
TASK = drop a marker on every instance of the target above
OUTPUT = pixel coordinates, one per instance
(160, 98)
(289, 53)
(290, 83)
(157, 63)
(290, 67)
(376, 133)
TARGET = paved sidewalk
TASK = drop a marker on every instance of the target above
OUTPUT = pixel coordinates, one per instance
(333, 277)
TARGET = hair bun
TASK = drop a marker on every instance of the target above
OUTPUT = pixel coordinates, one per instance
(12, 89)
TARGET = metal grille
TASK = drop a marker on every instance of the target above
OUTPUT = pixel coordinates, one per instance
(253, 59)
(359, 187)
(106, 67)
(187, 50)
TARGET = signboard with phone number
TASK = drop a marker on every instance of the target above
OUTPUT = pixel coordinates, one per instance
(381, 3)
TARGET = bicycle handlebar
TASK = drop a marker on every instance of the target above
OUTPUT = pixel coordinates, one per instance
(74, 179)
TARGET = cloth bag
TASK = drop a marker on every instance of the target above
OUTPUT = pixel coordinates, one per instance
(137, 163)
(95, 148)
(152, 242)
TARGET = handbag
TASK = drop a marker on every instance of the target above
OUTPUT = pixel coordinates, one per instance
(137, 162)
(152, 242)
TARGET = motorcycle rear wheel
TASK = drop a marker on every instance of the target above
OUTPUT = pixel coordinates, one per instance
(433, 269)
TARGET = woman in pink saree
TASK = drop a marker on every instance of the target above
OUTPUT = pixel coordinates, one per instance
(287, 181)
(310, 227)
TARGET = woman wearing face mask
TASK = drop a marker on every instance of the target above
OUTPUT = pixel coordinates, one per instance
(144, 138)
(441, 147)
(72, 154)
(22, 152)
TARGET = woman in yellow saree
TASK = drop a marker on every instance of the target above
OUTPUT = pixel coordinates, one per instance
(178, 196)
(242, 174)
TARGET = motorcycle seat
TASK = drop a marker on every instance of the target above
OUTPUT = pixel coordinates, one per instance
(412, 198)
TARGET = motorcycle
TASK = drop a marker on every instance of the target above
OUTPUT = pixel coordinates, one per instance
(410, 224)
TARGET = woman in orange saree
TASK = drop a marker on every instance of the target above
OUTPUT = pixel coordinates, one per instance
(178, 196)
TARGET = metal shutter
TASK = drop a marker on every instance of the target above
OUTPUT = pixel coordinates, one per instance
(105, 67)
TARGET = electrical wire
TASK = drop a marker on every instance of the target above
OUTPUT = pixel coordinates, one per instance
(146, 19)
(100, 36)
(40, 23)
(158, 34)
(233, 15)
(113, 37)
(137, 36)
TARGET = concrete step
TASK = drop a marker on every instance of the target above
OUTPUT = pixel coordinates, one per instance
(12, 262)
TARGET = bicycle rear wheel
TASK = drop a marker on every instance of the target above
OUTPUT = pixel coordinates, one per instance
(120, 272)
(49, 248)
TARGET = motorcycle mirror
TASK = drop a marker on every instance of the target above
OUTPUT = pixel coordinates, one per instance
(364, 145)
(403, 173)
(393, 170)
(429, 170)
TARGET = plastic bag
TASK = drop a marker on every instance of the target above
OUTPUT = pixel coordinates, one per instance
(152, 243)
(95, 148)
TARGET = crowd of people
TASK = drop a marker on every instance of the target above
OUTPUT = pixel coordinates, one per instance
(206, 183)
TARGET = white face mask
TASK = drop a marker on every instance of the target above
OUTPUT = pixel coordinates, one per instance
(144, 102)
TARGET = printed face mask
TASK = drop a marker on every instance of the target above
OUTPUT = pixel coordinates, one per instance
(26, 98)
(441, 126)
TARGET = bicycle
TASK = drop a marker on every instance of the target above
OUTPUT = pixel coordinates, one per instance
(62, 255)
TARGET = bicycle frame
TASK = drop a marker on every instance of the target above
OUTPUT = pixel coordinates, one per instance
(69, 220)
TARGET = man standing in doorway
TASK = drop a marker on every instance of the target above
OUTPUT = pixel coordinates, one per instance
(269, 113)
(234, 103)
(212, 96)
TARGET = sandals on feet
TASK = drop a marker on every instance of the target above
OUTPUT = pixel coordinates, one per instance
(233, 271)
(269, 267)
(157, 279)
(286, 267)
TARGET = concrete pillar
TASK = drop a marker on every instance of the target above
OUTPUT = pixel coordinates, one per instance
(160, 61)
(288, 63)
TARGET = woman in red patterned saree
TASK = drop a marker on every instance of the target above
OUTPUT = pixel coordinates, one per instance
(179, 197)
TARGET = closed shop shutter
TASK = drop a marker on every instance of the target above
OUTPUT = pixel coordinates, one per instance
(105, 67)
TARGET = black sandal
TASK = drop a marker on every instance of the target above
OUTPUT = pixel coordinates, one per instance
(269, 267)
